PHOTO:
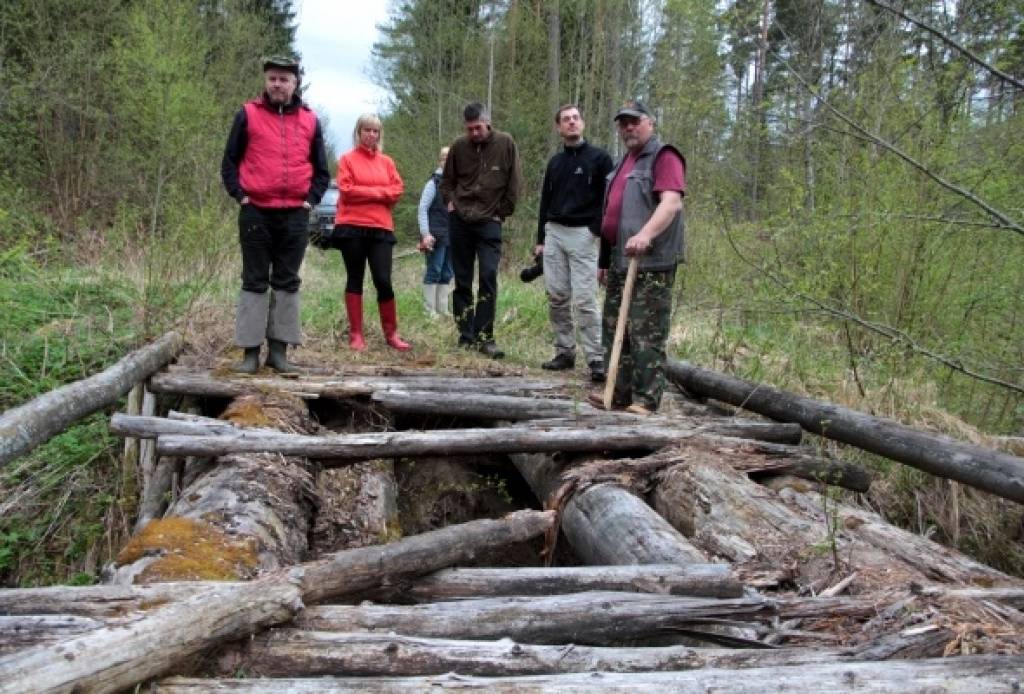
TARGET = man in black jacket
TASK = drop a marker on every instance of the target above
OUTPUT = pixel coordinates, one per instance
(568, 233)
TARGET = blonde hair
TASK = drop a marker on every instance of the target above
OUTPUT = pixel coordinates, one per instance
(372, 120)
(442, 155)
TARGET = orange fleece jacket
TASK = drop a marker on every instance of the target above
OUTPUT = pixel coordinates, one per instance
(370, 187)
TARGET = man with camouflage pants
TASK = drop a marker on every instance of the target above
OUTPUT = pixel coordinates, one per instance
(643, 217)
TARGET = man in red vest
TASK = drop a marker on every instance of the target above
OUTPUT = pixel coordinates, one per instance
(275, 166)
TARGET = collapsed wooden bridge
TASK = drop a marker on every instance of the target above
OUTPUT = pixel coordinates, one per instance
(687, 551)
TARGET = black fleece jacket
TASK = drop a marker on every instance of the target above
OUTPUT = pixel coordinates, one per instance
(573, 189)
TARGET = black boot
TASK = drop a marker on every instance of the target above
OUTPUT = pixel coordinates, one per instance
(250, 363)
(277, 358)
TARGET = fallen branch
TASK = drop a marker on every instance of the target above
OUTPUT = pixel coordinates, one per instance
(24, 427)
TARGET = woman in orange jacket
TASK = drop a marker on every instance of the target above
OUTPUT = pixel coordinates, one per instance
(364, 231)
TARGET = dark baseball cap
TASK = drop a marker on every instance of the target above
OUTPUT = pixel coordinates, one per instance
(282, 62)
(632, 109)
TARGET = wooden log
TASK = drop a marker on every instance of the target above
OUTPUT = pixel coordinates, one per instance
(726, 514)
(367, 567)
(102, 601)
(706, 580)
(341, 448)
(20, 632)
(606, 524)
(595, 618)
(964, 675)
(314, 387)
(248, 514)
(24, 427)
(113, 658)
(293, 653)
(999, 473)
(518, 408)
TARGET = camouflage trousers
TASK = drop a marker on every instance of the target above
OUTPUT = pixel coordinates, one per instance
(641, 376)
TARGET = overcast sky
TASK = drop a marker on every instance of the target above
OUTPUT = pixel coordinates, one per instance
(335, 39)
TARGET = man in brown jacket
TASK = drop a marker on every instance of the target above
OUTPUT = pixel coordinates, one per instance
(480, 182)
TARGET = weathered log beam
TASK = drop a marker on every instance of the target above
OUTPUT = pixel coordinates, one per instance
(24, 427)
(725, 513)
(999, 473)
(606, 524)
(293, 653)
(962, 675)
(100, 601)
(595, 618)
(705, 580)
(114, 658)
(313, 387)
(366, 567)
(23, 631)
(342, 448)
(517, 408)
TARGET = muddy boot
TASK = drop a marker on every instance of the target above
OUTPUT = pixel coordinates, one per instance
(277, 359)
(250, 363)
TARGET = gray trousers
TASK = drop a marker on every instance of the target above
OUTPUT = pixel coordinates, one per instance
(570, 277)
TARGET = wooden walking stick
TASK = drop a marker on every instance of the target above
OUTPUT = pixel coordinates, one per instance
(620, 333)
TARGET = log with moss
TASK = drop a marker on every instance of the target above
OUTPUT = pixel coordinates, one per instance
(114, 658)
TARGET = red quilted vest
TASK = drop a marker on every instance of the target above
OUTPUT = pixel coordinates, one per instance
(276, 169)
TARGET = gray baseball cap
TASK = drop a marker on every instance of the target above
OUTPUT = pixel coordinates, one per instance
(632, 109)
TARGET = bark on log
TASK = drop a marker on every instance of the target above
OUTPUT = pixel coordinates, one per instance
(292, 653)
(24, 427)
(249, 514)
(517, 408)
(999, 473)
(605, 524)
(20, 632)
(594, 618)
(963, 675)
(99, 601)
(114, 658)
(314, 387)
(366, 567)
(339, 449)
(705, 580)
(728, 515)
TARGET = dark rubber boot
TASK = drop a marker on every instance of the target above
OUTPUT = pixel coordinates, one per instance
(277, 359)
(250, 363)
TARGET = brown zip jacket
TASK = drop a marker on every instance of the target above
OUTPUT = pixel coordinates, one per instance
(482, 180)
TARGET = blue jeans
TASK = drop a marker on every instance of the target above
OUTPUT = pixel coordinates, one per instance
(439, 265)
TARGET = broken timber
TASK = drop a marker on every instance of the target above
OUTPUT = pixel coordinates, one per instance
(995, 472)
(24, 427)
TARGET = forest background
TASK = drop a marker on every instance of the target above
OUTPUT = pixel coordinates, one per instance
(855, 224)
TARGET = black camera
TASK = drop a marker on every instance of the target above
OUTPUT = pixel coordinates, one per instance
(529, 274)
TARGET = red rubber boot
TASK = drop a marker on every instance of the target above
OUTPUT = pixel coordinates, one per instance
(354, 309)
(389, 325)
